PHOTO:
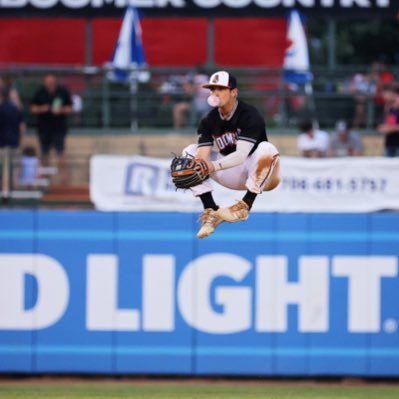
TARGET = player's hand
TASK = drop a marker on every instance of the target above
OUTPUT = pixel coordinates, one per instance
(210, 166)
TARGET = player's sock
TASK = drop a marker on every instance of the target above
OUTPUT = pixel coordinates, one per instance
(208, 201)
(249, 198)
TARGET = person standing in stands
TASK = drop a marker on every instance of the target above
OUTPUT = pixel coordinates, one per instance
(52, 103)
(13, 95)
(390, 127)
(12, 127)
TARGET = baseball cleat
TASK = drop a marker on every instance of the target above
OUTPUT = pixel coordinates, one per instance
(234, 213)
(210, 220)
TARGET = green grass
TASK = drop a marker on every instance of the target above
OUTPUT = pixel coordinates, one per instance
(194, 390)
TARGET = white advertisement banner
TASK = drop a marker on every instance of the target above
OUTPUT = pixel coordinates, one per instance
(357, 184)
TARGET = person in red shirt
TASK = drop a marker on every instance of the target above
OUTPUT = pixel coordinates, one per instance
(390, 127)
(380, 77)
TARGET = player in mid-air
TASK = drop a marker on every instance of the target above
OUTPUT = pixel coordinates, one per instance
(243, 159)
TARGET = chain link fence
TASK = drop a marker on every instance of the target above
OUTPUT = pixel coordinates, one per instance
(101, 103)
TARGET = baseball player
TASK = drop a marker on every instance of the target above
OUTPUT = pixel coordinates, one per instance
(233, 147)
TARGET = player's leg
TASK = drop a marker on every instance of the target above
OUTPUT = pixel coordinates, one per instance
(262, 174)
(263, 169)
(209, 219)
(274, 179)
(234, 178)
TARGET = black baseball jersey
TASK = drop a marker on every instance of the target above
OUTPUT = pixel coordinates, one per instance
(245, 124)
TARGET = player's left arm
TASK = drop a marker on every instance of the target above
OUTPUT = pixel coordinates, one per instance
(233, 159)
(205, 141)
(251, 127)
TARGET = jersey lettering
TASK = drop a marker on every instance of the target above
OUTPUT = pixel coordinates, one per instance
(226, 140)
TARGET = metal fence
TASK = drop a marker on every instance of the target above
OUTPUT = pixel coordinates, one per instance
(103, 103)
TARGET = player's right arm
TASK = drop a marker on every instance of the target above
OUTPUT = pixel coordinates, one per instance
(205, 139)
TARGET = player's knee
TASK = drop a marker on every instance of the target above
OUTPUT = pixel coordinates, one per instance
(273, 184)
(270, 165)
(268, 149)
(266, 165)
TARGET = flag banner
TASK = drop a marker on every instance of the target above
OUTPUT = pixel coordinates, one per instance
(356, 184)
(128, 54)
(205, 8)
(296, 62)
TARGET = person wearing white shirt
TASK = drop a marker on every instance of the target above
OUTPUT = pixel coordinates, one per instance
(312, 142)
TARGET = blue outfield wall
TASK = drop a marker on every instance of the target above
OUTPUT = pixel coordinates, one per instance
(138, 293)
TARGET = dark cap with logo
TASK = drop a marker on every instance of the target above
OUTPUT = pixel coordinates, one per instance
(222, 79)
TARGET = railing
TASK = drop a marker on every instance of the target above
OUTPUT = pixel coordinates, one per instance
(25, 181)
(149, 104)
(68, 184)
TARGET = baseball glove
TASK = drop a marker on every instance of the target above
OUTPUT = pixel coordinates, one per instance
(187, 171)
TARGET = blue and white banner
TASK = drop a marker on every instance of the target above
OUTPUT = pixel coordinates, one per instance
(128, 54)
(138, 293)
(296, 62)
(355, 184)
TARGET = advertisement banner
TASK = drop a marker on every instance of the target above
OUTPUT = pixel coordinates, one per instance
(356, 184)
(205, 8)
(138, 293)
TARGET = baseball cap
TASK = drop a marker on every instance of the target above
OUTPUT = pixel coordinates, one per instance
(222, 79)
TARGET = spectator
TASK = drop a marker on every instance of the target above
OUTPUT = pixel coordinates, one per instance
(52, 103)
(12, 127)
(195, 104)
(29, 165)
(312, 143)
(380, 78)
(361, 88)
(345, 142)
(387, 96)
(13, 95)
(390, 127)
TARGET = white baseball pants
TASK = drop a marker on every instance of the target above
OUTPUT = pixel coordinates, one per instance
(258, 173)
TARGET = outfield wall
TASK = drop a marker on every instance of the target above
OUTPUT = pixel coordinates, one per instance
(138, 293)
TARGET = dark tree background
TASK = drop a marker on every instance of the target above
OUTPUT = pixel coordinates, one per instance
(358, 42)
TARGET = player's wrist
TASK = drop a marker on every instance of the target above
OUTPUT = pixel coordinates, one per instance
(217, 165)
